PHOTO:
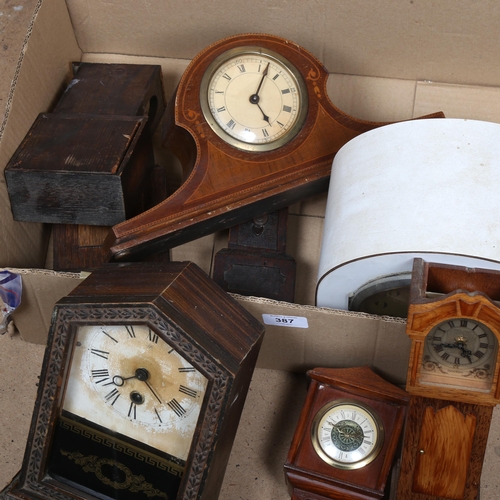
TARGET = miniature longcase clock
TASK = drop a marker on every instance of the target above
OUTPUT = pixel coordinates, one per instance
(145, 375)
(344, 444)
(453, 379)
(254, 130)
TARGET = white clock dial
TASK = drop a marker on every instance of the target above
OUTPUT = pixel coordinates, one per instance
(253, 99)
(127, 379)
(346, 434)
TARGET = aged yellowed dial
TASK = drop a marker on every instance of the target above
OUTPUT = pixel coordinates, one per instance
(253, 98)
(347, 434)
(127, 379)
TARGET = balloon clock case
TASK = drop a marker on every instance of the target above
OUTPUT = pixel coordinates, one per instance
(145, 376)
(453, 379)
(254, 130)
(347, 435)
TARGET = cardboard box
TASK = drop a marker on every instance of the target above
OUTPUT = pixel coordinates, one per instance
(389, 60)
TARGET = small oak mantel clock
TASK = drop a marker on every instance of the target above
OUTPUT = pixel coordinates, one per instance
(453, 379)
(348, 431)
(145, 375)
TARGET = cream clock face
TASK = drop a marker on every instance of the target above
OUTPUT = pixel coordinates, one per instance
(460, 352)
(347, 434)
(253, 99)
(127, 379)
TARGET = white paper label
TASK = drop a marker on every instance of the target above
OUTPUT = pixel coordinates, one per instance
(290, 321)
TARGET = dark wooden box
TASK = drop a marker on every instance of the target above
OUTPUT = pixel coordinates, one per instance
(80, 169)
(115, 89)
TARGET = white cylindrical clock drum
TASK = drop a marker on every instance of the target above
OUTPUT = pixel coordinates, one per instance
(424, 188)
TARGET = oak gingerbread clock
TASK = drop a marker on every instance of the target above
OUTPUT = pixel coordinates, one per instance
(145, 375)
(348, 431)
(453, 379)
(254, 130)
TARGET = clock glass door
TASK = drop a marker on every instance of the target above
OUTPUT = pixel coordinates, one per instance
(460, 352)
(129, 412)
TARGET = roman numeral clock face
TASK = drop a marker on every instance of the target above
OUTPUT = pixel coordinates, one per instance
(253, 99)
(128, 380)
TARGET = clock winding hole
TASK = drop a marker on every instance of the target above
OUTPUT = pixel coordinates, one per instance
(136, 398)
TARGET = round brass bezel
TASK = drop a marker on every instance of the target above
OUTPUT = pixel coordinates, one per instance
(379, 439)
(295, 75)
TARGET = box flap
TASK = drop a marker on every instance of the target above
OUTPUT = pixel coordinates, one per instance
(437, 41)
(41, 290)
(332, 338)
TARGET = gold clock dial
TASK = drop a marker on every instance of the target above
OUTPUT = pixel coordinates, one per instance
(125, 378)
(254, 99)
(460, 352)
(347, 434)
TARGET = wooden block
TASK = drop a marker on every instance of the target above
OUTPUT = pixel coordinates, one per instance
(80, 169)
(249, 272)
(255, 262)
(115, 89)
(78, 247)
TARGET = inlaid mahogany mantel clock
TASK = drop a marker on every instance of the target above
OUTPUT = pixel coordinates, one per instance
(144, 378)
(345, 441)
(254, 130)
(453, 377)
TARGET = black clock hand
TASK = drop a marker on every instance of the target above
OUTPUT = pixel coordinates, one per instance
(266, 118)
(449, 345)
(465, 353)
(254, 98)
(119, 380)
(140, 374)
(153, 392)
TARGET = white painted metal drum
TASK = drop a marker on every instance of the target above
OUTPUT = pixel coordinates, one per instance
(424, 188)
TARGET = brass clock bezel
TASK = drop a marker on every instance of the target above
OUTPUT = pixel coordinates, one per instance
(294, 73)
(377, 447)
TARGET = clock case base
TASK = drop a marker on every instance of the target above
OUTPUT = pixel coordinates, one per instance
(444, 447)
(256, 262)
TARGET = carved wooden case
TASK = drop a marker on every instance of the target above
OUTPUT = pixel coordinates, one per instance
(310, 477)
(440, 292)
(194, 317)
